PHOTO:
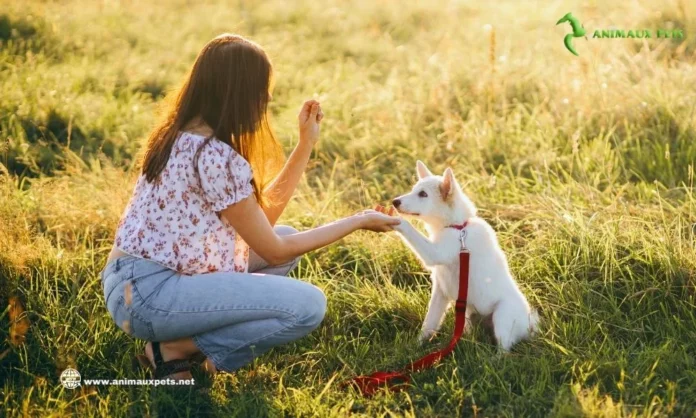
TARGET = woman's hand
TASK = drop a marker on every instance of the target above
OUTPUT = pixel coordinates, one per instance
(309, 118)
(374, 221)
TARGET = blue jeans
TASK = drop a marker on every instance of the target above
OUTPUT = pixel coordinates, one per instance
(231, 317)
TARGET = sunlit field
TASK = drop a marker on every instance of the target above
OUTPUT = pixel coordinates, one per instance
(583, 165)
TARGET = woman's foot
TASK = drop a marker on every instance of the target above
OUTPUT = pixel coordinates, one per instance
(208, 367)
(204, 363)
(169, 353)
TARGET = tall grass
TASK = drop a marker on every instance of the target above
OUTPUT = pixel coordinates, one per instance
(584, 165)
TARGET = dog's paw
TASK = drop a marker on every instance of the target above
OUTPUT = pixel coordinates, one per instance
(426, 335)
(501, 353)
(400, 227)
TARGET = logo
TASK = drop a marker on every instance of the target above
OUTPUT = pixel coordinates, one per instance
(70, 378)
(578, 31)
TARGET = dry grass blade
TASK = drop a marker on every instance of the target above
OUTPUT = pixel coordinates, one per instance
(19, 323)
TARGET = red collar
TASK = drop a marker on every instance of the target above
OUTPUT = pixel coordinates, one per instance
(459, 227)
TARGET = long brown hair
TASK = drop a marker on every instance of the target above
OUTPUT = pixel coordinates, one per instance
(228, 88)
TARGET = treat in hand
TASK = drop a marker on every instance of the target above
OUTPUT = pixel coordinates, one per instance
(391, 211)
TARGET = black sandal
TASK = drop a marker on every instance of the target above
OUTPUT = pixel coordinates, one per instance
(197, 359)
(162, 368)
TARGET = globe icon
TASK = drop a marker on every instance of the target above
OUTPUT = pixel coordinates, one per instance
(70, 378)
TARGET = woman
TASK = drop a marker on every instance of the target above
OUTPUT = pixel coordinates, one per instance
(197, 264)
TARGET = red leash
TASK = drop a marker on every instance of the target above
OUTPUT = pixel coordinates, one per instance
(397, 380)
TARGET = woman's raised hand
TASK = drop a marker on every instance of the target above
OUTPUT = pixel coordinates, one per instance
(309, 118)
(375, 221)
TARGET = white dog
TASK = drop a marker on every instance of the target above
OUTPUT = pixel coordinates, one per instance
(440, 203)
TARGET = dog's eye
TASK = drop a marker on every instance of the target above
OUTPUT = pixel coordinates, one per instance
(422, 194)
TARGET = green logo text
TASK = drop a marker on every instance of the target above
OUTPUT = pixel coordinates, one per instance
(578, 31)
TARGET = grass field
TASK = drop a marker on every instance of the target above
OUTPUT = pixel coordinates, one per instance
(583, 165)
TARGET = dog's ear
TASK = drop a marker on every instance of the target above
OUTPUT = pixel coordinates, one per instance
(447, 183)
(422, 170)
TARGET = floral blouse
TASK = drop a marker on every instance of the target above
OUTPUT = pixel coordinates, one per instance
(174, 220)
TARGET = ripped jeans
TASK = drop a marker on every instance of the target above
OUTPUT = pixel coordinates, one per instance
(231, 317)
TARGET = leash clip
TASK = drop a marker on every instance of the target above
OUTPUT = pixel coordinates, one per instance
(462, 240)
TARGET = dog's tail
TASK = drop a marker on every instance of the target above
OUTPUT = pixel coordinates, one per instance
(534, 322)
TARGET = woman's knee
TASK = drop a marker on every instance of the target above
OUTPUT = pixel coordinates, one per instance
(313, 307)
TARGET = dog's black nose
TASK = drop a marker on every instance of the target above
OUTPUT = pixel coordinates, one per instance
(396, 203)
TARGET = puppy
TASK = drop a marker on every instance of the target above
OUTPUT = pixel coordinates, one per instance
(439, 202)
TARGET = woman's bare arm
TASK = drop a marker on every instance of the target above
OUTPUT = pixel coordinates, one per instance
(282, 188)
(247, 218)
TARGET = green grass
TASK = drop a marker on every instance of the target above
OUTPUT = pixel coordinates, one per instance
(583, 165)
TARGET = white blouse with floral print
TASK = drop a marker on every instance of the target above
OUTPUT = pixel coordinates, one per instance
(174, 220)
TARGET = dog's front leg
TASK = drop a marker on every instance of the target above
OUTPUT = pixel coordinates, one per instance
(425, 249)
(436, 313)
